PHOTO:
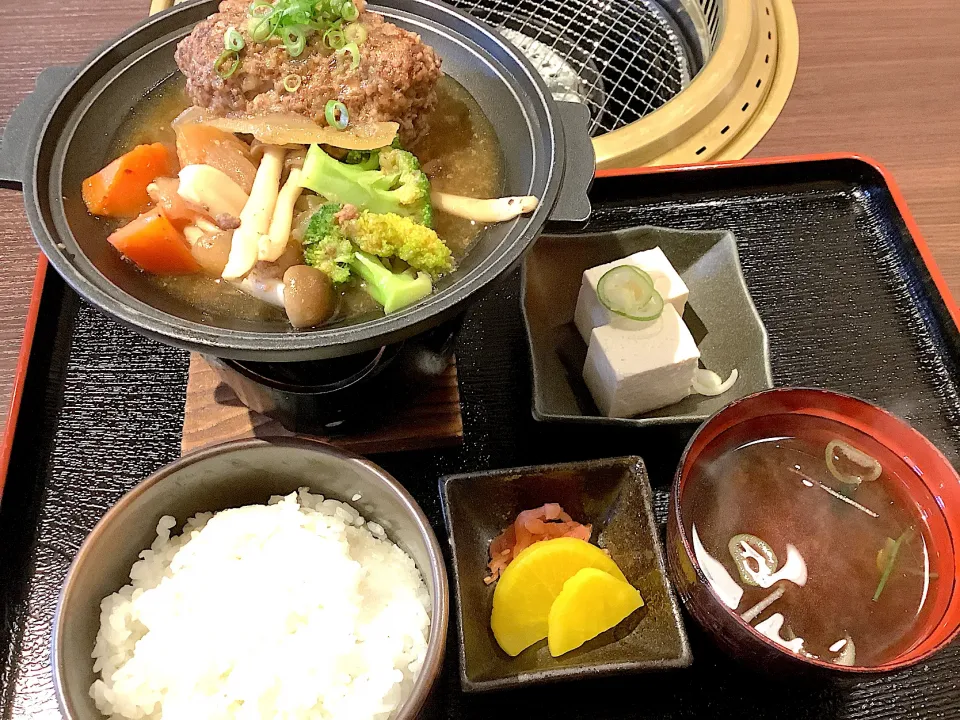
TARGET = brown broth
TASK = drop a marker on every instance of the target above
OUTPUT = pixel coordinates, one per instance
(769, 478)
(460, 153)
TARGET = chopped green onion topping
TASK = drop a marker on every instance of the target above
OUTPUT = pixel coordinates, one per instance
(295, 40)
(233, 40)
(227, 64)
(261, 9)
(259, 29)
(628, 291)
(355, 33)
(892, 553)
(354, 52)
(329, 9)
(294, 21)
(349, 11)
(334, 39)
(292, 82)
(336, 114)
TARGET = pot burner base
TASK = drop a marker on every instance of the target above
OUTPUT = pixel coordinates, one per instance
(214, 413)
(397, 397)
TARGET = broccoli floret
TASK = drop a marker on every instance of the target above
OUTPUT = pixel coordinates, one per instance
(329, 247)
(393, 235)
(399, 186)
(392, 290)
(363, 159)
(325, 247)
(414, 188)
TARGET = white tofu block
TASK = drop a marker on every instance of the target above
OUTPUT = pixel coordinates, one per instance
(633, 369)
(590, 313)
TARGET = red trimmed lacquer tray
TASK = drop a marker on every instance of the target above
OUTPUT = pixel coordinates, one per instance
(845, 285)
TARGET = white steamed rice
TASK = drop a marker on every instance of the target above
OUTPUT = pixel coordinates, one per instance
(296, 609)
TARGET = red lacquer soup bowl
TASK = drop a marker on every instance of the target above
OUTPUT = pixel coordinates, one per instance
(922, 477)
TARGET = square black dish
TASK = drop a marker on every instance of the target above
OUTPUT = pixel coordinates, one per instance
(719, 314)
(612, 495)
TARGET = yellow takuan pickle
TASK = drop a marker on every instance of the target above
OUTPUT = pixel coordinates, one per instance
(590, 603)
(531, 584)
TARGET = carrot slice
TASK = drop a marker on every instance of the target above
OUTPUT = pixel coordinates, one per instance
(155, 245)
(120, 189)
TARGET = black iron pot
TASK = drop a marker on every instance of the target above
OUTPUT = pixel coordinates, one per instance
(62, 132)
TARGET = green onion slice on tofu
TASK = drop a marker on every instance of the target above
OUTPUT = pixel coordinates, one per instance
(354, 51)
(628, 291)
(355, 33)
(227, 64)
(295, 40)
(349, 11)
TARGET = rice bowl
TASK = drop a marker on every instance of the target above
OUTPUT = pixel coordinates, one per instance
(298, 608)
(397, 673)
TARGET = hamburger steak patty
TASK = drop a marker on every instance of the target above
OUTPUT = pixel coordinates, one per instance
(396, 80)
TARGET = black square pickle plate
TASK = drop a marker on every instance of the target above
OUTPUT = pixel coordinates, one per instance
(614, 497)
(838, 274)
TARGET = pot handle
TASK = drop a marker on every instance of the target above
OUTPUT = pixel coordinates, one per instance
(18, 142)
(573, 204)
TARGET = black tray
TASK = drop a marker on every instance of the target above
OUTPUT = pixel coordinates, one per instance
(837, 271)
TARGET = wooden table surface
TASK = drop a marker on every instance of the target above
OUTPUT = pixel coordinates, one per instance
(879, 78)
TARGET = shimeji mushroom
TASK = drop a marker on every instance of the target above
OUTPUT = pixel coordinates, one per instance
(308, 296)
(274, 242)
(263, 285)
(304, 293)
(256, 215)
(484, 210)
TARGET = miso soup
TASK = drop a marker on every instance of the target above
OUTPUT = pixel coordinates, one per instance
(806, 529)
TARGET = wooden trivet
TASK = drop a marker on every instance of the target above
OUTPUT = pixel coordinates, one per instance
(213, 414)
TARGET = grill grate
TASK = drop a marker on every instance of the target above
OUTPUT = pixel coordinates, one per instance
(711, 11)
(622, 58)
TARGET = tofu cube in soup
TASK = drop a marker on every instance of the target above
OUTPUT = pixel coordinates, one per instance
(591, 314)
(635, 367)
